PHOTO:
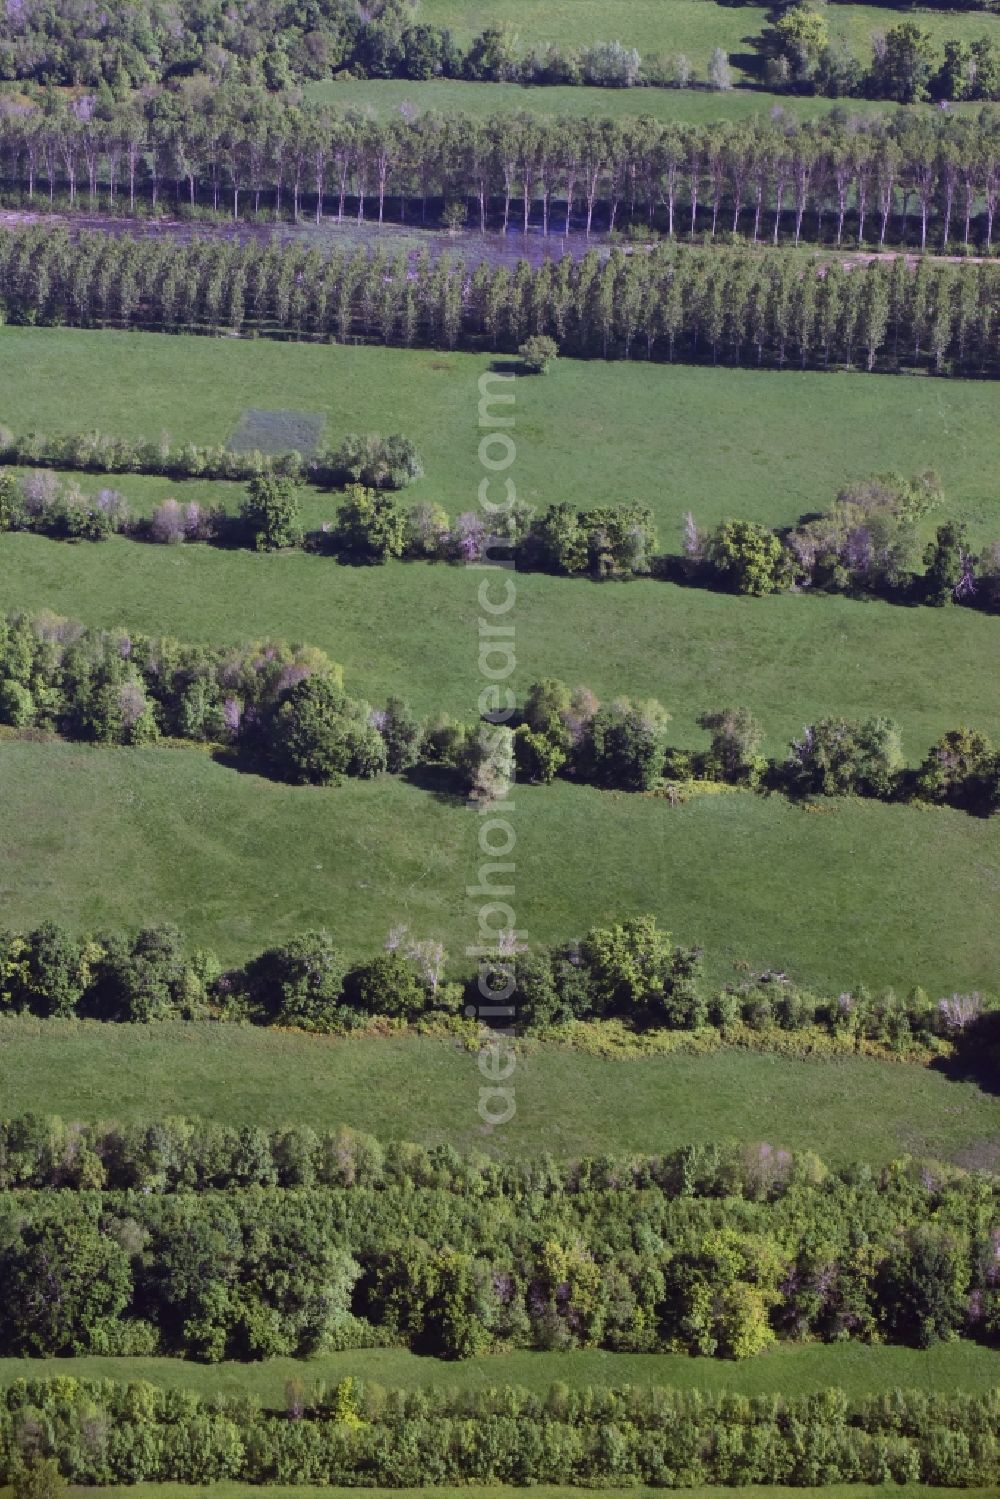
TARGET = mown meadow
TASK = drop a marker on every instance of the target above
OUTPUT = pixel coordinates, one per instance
(763, 444)
(426, 1089)
(856, 1369)
(847, 892)
(385, 97)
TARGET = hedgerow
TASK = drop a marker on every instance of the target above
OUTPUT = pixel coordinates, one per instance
(618, 987)
(359, 1434)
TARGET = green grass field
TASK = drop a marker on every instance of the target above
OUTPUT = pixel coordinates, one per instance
(791, 658)
(694, 27)
(722, 442)
(859, 1370)
(384, 97)
(887, 894)
(854, 891)
(425, 1089)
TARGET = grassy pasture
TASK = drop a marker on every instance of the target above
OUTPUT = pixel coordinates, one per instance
(854, 891)
(763, 444)
(384, 97)
(410, 629)
(852, 1367)
(694, 27)
(427, 1090)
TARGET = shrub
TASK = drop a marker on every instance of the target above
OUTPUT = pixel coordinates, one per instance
(539, 758)
(376, 461)
(17, 706)
(748, 558)
(400, 732)
(387, 985)
(370, 525)
(40, 1479)
(270, 513)
(839, 756)
(427, 530)
(625, 745)
(963, 770)
(300, 982)
(735, 753)
(538, 353)
(485, 761)
(168, 523)
(318, 735)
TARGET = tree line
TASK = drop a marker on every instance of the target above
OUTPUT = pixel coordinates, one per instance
(872, 180)
(278, 45)
(175, 1154)
(283, 708)
(906, 1256)
(631, 972)
(866, 544)
(740, 308)
(360, 1434)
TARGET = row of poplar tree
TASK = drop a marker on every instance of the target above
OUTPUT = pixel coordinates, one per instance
(892, 179)
(736, 307)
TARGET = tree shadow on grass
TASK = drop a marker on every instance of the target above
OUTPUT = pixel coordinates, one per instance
(976, 1058)
(231, 757)
(439, 781)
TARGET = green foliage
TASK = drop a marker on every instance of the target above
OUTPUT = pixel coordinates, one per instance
(486, 761)
(595, 1435)
(271, 513)
(963, 770)
(708, 1250)
(838, 756)
(386, 985)
(11, 505)
(634, 969)
(736, 742)
(378, 462)
(539, 759)
(370, 525)
(626, 744)
(538, 353)
(748, 558)
(903, 65)
(946, 559)
(318, 735)
(655, 302)
(40, 1479)
(68, 1285)
(300, 982)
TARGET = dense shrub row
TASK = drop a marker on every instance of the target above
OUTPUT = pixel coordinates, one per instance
(900, 178)
(866, 543)
(741, 307)
(284, 708)
(114, 687)
(908, 1255)
(175, 1154)
(630, 971)
(369, 458)
(358, 1434)
(624, 744)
